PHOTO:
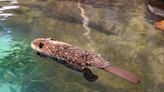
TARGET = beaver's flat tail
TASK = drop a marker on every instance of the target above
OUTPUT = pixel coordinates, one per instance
(123, 74)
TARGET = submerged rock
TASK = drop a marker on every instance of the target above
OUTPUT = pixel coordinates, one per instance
(160, 25)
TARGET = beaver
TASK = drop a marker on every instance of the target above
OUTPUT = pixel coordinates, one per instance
(78, 59)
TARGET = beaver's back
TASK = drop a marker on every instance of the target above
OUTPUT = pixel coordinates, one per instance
(74, 56)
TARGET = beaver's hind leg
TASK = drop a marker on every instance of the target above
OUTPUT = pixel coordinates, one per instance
(88, 75)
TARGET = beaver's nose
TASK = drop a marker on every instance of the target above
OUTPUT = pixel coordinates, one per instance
(33, 44)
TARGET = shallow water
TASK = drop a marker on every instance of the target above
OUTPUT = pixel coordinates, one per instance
(121, 32)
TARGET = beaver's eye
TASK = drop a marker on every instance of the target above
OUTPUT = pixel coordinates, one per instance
(41, 45)
(50, 39)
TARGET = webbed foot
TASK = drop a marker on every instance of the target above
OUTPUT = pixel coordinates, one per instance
(88, 75)
(40, 54)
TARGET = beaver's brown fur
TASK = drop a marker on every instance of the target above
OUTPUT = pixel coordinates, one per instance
(74, 57)
(78, 59)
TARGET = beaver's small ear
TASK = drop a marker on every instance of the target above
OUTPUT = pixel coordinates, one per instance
(41, 45)
(50, 38)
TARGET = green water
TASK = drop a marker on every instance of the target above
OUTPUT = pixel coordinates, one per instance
(121, 32)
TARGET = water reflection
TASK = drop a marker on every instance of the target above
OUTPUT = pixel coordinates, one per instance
(5, 40)
(10, 1)
(3, 9)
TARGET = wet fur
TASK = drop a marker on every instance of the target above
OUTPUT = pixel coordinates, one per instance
(78, 59)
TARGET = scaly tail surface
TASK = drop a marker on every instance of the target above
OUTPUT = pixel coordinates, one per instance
(122, 73)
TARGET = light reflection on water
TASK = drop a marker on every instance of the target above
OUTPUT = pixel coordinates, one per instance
(5, 40)
(4, 8)
(122, 35)
(10, 88)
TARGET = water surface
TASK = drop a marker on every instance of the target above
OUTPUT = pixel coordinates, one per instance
(121, 32)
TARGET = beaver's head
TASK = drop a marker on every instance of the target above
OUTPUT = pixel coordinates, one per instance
(46, 45)
(41, 44)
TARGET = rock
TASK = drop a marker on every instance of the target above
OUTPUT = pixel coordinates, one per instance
(159, 25)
